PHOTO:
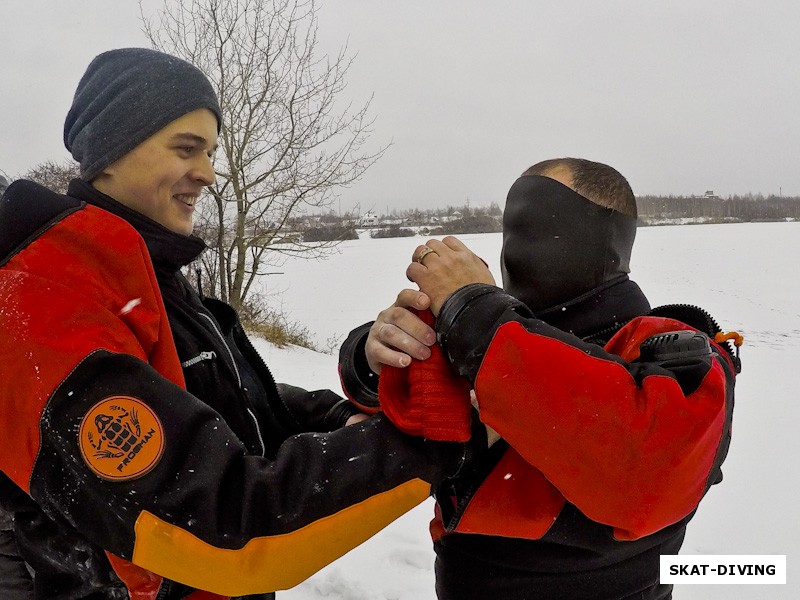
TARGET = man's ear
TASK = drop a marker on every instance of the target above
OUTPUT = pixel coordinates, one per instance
(107, 171)
(107, 175)
(102, 181)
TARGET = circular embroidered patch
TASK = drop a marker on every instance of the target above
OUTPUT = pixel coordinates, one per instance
(121, 438)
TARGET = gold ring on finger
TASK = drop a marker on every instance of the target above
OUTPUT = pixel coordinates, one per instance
(423, 253)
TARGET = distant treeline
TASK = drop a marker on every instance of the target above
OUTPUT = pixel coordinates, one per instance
(474, 223)
(653, 210)
(714, 209)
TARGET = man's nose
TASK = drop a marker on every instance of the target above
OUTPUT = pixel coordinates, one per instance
(203, 170)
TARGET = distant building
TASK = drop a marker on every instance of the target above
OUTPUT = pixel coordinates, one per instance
(369, 220)
(708, 194)
(455, 216)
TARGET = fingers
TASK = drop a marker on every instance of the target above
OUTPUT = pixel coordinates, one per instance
(453, 243)
(412, 299)
(421, 252)
(414, 271)
(435, 250)
(447, 244)
(387, 344)
(407, 324)
(443, 266)
(398, 335)
(450, 251)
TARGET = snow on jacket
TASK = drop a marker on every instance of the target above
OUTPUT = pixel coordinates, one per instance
(604, 458)
(607, 455)
(122, 467)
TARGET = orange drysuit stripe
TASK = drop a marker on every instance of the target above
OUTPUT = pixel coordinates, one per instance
(270, 563)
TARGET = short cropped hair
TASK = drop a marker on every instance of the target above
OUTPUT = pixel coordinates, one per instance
(603, 185)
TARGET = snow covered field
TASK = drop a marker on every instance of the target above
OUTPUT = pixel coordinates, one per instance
(740, 273)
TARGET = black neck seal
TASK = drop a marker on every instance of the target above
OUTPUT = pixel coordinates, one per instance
(558, 245)
(168, 250)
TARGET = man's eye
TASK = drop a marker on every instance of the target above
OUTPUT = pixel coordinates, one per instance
(186, 149)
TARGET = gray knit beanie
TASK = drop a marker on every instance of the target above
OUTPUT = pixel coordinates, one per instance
(126, 96)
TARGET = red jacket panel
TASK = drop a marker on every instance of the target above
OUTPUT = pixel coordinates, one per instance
(84, 326)
(633, 455)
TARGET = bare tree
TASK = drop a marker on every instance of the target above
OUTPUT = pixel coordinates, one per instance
(285, 145)
(54, 175)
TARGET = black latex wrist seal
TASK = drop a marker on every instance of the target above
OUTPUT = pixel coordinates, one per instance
(360, 384)
(472, 450)
(337, 416)
(467, 322)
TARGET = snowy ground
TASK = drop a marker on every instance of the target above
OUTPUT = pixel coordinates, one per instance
(740, 273)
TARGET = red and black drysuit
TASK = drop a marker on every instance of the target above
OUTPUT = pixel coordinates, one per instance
(241, 501)
(604, 456)
(603, 461)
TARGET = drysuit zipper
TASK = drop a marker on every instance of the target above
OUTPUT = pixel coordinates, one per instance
(238, 378)
(199, 358)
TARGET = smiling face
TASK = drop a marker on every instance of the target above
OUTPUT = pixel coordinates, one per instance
(163, 176)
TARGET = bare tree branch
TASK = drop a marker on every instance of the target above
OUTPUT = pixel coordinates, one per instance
(54, 175)
(285, 145)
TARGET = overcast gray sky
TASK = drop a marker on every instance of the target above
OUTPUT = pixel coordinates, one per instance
(681, 96)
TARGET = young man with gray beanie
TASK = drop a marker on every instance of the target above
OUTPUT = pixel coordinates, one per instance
(146, 451)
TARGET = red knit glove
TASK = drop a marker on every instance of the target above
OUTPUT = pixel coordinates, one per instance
(427, 398)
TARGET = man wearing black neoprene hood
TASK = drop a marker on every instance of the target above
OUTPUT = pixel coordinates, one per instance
(610, 434)
(557, 245)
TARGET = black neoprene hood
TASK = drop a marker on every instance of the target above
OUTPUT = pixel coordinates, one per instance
(557, 244)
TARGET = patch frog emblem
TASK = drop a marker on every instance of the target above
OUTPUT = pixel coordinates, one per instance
(121, 438)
